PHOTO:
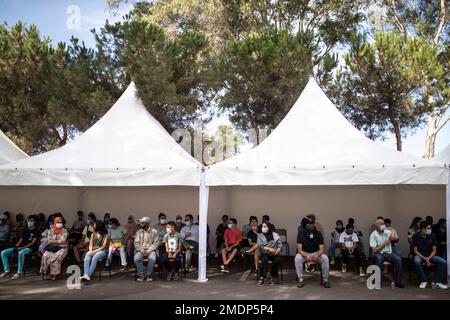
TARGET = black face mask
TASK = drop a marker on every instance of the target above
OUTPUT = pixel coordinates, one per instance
(310, 228)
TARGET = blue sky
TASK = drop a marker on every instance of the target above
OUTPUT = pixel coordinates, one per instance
(54, 18)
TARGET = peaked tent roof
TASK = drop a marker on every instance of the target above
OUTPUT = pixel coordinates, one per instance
(315, 145)
(444, 155)
(9, 151)
(126, 147)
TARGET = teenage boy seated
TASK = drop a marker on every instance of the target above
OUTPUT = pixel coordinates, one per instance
(232, 240)
(348, 243)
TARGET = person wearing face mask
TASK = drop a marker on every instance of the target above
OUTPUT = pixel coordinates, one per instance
(179, 223)
(232, 240)
(131, 229)
(249, 242)
(75, 233)
(335, 235)
(161, 228)
(117, 243)
(172, 255)
(56, 248)
(145, 245)
(310, 248)
(45, 234)
(5, 230)
(28, 243)
(348, 243)
(189, 234)
(440, 231)
(220, 232)
(270, 245)
(98, 250)
(85, 237)
(381, 244)
(424, 244)
(413, 229)
(395, 246)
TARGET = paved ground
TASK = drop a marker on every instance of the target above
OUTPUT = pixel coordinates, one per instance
(233, 286)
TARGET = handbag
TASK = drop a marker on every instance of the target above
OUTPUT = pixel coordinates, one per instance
(52, 248)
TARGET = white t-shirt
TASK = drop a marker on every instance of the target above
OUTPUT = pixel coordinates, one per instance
(348, 239)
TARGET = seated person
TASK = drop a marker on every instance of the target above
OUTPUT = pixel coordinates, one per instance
(360, 235)
(395, 246)
(335, 236)
(44, 234)
(5, 230)
(413, 229)
(270, 245)
(245, 229)
(424, 245)
(310, 248)
(56, 248)
(440, 231)
(220, 232)
(179, 223)
(85, 237)
(189, 234)
(174, 247)
(252, 240)
(161, 228)
(132, 228)
(28, 243)
(232, 239)
(145, 245)
(98, 250)
(77, 229)
(348, 243)
(117, 243)
(18, 228)
(380, 243)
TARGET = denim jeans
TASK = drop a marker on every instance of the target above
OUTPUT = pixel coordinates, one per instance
(379, 258)
(91, 262)
(138, 258)
(123, 256)
(9, 252)
(439, 262)
(172, 264)
(333, 247)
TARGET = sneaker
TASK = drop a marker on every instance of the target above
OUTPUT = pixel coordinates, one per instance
(175, 278)
(344, 268)
(5, 275)
(300, 284)
(270, 282)
(361, 272)
(441, 286)
(169, 277)
(326, 284)
(332, 262)
(399, 285)
(260, 282)
(216, 255)
(124, 268)
(149, 279)
(18, 275)
(422, 285)
(85, 277)
(140, 279)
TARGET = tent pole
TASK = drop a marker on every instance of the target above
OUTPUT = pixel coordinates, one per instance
(203, 221)
(448, 227)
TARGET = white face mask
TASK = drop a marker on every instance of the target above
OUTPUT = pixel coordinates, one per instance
(188, 223)
(264, 229)
(162, 221)
(59, 225)
(179, 221)
(382, 227)
(51, 225)
(30, 224)
(168, 230)
(428, 231)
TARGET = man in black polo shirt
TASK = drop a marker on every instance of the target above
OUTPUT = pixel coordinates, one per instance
(424, 245)
(310, 248)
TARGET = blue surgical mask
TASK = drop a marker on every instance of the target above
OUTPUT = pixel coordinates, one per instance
(428, 231)
(230, 226)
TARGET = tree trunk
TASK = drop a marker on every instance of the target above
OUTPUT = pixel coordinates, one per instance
(431, 136)
(398, 136)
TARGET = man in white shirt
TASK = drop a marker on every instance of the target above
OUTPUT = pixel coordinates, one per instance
(348, 243)
(189, 234)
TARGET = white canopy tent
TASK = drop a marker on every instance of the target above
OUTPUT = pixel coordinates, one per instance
(444, 157)
(9, 151)
(314, 146)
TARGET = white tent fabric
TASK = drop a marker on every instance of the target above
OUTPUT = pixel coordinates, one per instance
(126, 147)
(444, 155)
(9, 151)
(315, 145)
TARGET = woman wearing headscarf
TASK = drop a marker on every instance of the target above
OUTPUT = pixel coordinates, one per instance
(56, 248)
(270, 244)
